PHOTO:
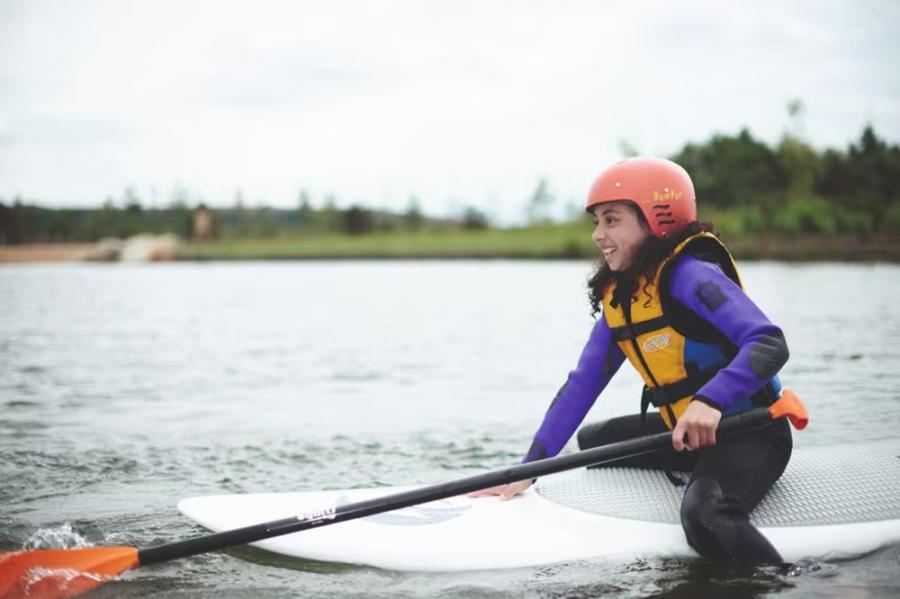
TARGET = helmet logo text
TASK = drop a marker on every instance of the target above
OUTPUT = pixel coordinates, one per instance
(666, 196)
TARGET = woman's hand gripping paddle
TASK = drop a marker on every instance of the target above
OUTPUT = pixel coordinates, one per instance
(51, 573)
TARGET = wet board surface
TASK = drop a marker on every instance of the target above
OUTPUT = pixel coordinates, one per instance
(831, 503)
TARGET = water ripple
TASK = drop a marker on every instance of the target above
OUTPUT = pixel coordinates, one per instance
(123, 390)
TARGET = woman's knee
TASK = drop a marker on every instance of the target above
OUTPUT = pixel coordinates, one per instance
(618, 429)
(597, 434)
(702, 500)
(718, 526)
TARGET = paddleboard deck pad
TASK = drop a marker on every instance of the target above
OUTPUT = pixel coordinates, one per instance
(831, 503)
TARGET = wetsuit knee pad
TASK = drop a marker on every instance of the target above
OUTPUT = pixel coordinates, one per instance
(718, 526)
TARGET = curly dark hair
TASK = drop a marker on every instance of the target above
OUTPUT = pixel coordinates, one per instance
(647, 259)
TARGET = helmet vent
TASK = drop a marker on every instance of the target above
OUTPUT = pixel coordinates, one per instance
(663, 218)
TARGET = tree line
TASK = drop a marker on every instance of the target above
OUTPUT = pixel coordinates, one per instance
(744, 185)
(22, 222)
(792, 188)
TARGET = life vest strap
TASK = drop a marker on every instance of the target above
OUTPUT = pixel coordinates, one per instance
(673, 392)
(636, 329)
(765, 396)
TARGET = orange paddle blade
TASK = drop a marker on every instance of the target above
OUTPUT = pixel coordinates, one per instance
(51, 573)
(790, 405)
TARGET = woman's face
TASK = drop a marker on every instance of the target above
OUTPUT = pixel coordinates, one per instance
(618, 233)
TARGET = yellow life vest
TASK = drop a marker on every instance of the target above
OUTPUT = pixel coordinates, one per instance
(652, 334)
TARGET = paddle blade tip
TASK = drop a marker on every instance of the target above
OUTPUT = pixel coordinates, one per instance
(789, 405)
(51, 573)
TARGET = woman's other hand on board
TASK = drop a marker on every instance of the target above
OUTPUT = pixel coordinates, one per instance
(505, 492)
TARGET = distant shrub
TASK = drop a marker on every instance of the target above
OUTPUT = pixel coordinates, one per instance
(855, 222)
(806, 215)
(474, 220)
(572, 248)
(358, 220)
(752, 219)
(735, 222)
(891, 223)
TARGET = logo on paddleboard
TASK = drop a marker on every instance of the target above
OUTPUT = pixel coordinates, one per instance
(418, 515)
(656, 343)
(326, 513)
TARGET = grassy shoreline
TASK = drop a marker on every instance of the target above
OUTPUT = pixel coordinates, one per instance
(552, 242)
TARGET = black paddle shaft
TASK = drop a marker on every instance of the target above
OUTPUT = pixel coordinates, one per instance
(750, 420)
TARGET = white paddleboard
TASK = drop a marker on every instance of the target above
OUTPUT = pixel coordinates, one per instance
(831, 503)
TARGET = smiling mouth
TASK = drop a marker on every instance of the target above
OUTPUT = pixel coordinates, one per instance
(607, 252)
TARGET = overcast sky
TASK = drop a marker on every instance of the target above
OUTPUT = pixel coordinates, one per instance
(456, 102)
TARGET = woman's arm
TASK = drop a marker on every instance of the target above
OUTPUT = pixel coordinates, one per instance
(599, 361)
(704, 289)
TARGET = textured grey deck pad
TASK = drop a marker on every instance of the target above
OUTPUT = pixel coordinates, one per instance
(824, 485)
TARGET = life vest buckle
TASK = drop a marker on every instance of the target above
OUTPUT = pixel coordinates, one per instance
(656, 396)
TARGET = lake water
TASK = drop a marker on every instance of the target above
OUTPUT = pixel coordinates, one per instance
(124, 388)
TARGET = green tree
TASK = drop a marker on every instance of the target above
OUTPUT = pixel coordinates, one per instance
(732, 171)
(412, 218)
(305, 211)
(474, 219)
(328, 218)
(263, 221)
(357, 220)
(862, 179)
(802, 165)
(241, 217)
(102, 222)
(5, 223)
(627, 149)
(540, 203)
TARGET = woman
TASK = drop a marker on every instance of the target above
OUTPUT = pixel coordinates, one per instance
(673, 305)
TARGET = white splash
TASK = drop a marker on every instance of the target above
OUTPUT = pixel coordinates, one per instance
(60, 537)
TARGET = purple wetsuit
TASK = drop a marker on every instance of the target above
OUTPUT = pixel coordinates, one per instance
(706, 292)
(728, 479)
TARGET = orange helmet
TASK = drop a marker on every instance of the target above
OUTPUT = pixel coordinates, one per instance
(661, 190)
